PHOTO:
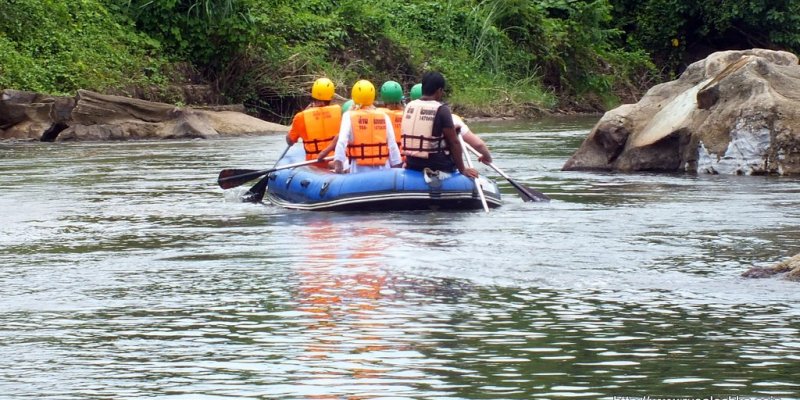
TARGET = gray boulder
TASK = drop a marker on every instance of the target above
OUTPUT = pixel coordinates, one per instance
(736, 112)
(94, 116)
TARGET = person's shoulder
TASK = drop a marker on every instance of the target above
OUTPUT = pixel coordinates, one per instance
(298, 118)
(444, 110)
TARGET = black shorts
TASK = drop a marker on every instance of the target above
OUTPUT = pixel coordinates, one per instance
(438, 162)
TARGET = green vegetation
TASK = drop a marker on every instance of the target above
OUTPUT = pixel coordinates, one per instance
(58, 47)
(677, 32)
(500, 56)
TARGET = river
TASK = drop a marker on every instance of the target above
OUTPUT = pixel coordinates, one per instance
(125, 272)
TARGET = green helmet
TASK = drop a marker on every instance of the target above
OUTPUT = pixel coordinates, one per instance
(416, 91)
(391, 92)
(346, 106)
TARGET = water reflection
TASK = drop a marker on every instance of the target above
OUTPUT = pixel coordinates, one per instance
(341, 287)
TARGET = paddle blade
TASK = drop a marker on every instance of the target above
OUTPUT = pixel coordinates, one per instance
(231, 178)
(256, 193)
(528, 194)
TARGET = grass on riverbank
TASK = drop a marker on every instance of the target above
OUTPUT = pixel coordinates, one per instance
(501, 58)
(484, 98)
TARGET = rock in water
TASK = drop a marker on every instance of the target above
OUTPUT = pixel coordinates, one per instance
(791, 265)
(94, 116)
(31, 116)
(736, 112)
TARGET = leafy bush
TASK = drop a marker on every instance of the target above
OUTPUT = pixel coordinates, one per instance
(208, 33)
(59, 47)
(677, 33)
(486, 49)
(496, 54)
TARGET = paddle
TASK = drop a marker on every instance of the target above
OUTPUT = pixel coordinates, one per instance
(233, 177)
(256, 193)
(527, 193)
(478, 186)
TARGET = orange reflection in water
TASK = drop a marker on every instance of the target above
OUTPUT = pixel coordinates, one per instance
(341, 286)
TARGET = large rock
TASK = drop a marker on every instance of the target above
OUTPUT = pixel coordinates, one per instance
(28, 115)
(789, 267)
(736, 112)
(93, 116)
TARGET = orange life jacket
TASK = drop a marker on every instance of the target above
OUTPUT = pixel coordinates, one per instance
(396, 116)
(417, 130)
(369, 145)
(322, 125)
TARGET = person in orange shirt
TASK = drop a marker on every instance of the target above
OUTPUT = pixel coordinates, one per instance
(319, 123)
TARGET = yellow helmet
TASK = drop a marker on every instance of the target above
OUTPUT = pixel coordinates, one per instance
(363, 93)
(322, 89)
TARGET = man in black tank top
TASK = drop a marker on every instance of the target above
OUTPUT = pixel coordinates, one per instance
(433, 89)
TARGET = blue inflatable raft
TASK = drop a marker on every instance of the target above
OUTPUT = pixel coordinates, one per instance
(313, 188)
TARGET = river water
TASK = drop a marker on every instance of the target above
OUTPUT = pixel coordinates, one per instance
(125, 272)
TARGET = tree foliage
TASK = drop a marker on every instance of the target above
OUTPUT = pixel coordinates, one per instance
(587, 54)
(676, 32)
(58, 47)
(207, 33)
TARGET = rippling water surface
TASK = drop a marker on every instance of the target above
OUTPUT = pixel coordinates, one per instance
(125, 272)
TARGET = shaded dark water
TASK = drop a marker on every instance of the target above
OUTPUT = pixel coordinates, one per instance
(126, 273)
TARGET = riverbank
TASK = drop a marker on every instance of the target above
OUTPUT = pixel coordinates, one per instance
(94, 116)
(90, 116)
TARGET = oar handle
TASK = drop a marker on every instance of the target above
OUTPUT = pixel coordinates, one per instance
(298, 164)
(527, 194)
(478, 186)
(286, 150)
(257, 192)
(255, 174)
(499, 171)
(478, 154)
